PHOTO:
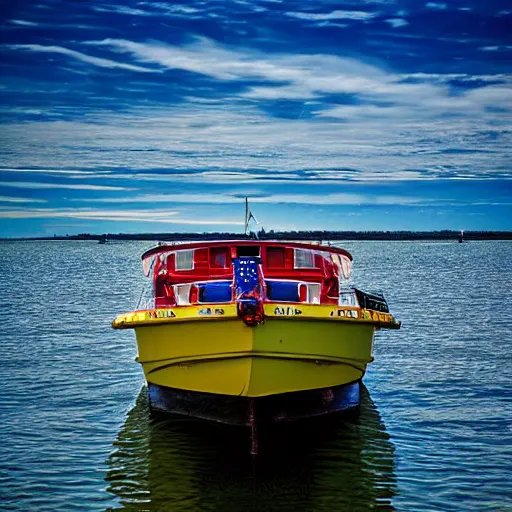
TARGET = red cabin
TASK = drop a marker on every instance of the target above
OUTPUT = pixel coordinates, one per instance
(202, 272)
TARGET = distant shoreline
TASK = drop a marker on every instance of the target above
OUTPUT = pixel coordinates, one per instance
(283, 235)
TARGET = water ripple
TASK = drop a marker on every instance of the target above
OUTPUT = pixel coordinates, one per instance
(434, 431)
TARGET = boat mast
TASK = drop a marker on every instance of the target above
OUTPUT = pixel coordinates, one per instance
(246, 216)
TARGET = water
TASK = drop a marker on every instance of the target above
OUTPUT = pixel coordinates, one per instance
(434, 432)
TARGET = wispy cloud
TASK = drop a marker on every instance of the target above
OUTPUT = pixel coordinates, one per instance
(168, 8)
(277, 198)
(303, 77)
(156, 9)
(436, 5)
(48, 171)
(8, 199)
(321, 72)
(175, 8)
(70, 186)
(397, 22)
(95, 61)
(204, 56)
(120, 9)
(24, 23)
(150, 215)
(333, 15)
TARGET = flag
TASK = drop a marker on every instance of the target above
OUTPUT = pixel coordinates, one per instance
(248, 216)
(251, 216)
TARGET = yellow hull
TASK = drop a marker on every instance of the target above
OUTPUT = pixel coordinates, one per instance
(224, 356)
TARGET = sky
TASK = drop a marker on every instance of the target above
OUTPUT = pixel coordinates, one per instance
(140, 116)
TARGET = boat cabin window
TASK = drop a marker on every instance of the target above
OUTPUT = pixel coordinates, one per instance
(247, 250)
(183, 294)
(219, 257)
(303, 259)
(185, 260)
(275, 257)
(313, 295)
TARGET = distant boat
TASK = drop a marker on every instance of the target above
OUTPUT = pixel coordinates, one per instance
(250, 331)
(103, 239)
(461, 236)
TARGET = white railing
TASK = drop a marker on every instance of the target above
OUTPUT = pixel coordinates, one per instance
(146, 299)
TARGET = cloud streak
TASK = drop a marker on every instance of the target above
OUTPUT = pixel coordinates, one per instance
(158, 9)
(82, 57)
(9, 199)
(69, 186)
(297, 198)
(333, 15)
(397, 22)
(151, 216)
(24, 23)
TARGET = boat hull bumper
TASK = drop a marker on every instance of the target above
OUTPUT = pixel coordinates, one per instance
(236, 410)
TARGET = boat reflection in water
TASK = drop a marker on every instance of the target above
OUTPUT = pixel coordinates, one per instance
(163, 462)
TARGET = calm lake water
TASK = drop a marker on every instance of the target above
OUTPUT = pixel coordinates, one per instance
(434, 432)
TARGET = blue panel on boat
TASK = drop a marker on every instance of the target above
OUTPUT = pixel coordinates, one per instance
(215, 292)
(246, 274)
(282, 290)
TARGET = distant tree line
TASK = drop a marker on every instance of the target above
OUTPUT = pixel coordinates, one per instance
(316, 235)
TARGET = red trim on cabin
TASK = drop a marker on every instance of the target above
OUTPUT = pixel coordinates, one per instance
(239, 243)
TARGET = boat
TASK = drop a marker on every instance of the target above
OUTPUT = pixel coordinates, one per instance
(252, 331)
(461, 236)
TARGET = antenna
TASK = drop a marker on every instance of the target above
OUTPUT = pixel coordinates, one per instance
(246, 216)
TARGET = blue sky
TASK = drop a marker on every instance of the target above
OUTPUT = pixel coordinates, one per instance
(141, 116)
